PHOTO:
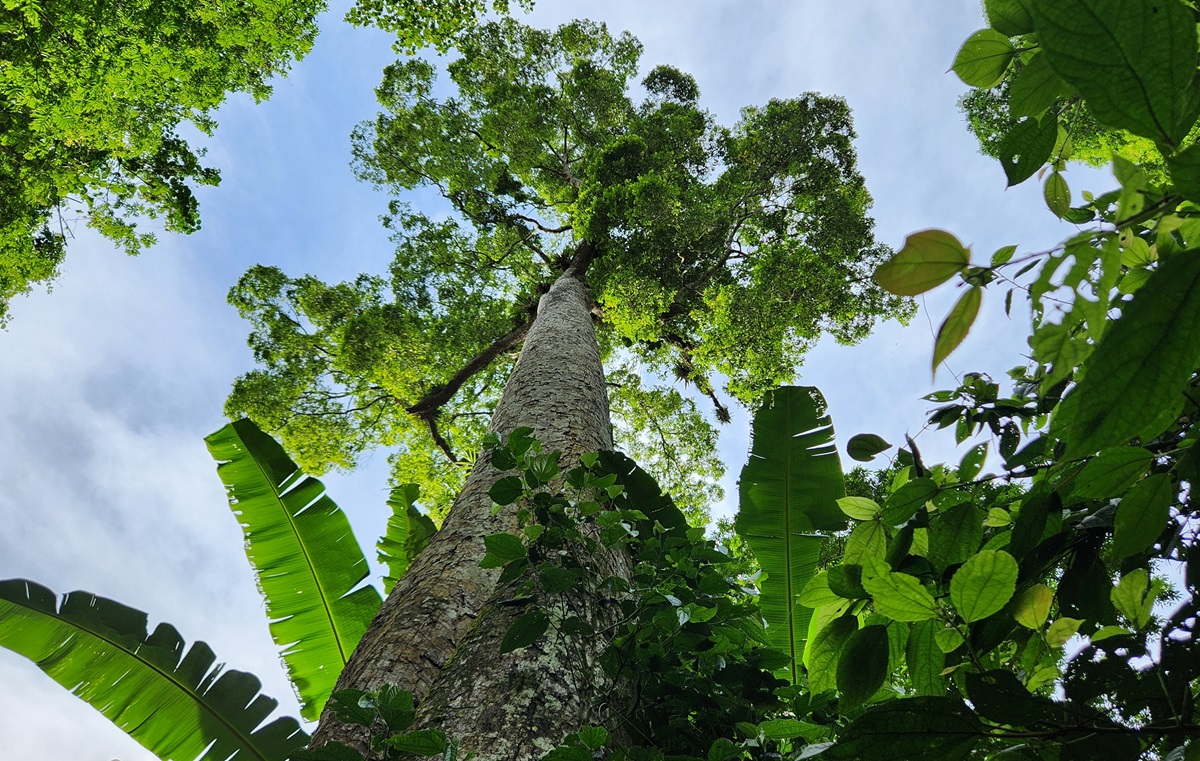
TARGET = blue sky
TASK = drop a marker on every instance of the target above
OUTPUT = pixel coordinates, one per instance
(109, 383)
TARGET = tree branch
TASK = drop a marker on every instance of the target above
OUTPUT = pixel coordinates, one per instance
(439, 395)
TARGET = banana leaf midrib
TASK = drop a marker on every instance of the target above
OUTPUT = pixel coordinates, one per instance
(245, 740)
(326, 604)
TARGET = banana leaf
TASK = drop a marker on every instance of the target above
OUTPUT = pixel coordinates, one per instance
(788, 492)
(408, 531)
(179, 706)
(308, 563)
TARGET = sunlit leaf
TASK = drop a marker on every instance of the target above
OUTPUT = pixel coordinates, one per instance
(983, 585)
(928, 259)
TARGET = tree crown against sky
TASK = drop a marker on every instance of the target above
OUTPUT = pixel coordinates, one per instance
(714, 250)
(95, 100)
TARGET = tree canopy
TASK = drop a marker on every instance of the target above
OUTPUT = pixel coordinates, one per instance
(93, 100)
(712, 250)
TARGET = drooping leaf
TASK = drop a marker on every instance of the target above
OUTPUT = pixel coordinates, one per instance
(984, 584)
(1133, 61)
(408, 531)
(924, 659)
(957, 325)
(928, 259)
(1133, 387)
(789, 489)
(864, 446)
(983, 58)
(308, 563)
(175, 703)
(1026, 147)
(1035, 89)
(1033, 606)
(1057, 194)
(863, 665)
(1142, 515)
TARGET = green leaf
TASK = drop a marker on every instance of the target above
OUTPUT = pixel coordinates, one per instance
(864, 446)
(866, 542)
(1143, 515)
(789, 489)
(1135, 378)
(957, 325)
(784, 729)
(1057, 194)
(983, 585)
(1002, 255)
(983, 58)
(948, 640)
(308, 563)
(904, 503)
(928, 259)
(1062, 630)
(1026, 147)
(925, 660)
(972, 462)
(824, 652)
(863, 665)
(859, 508)
(846, 581)
(900, 597)
(1133, 61)
(526, 630)
(1185, 171)
(954, 535)
(502, 549)
(1105, 632)
(910, 729)
(175, 704)
(997, 517)
(408, 531)
(507, 490)
(816, 592)
(1035, 89)
(424, 742)
(1111, 472)
(1134, 596)
(593, 738)
(1009, 17)
(1032, 606)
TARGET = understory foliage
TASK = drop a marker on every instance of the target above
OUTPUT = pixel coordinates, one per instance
(92, 99)
(708, 249)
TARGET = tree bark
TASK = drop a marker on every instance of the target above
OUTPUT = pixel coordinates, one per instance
(557, 389)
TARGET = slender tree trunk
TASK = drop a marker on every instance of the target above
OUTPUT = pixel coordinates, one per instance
(503, 707)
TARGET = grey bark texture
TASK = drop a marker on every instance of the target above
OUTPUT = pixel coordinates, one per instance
(437, 635)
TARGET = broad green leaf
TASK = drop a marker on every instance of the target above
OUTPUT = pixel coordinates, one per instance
(925, 660)
(954, 535)
(864, 446)
(594, 738)
(1062, 630)
(904, 503)
(784, 729)
(866, 541)
(1134, 596)
(983, 58)
(983, 585)
(423, 742)
(1105, 632)
(1032, 606)
(1185, 171)
(863, 665)
(308, 563)
(502, 549)
(826, 651)
(1057, 194)
(859, 508)
(507, 490)
(1026, 147)
(526, 630)
(176, 704)
(789, 489)
(910, 729)
(957, 325)
(1002, 255)
(1009, 17)
(1135, 378)
(816, 592)
(972, 462)
(1111, 472)
(1142, 515)
(408, 531)
(846, 581)
(901, 597)
(928, 259)
(997, 517)
(1035, 89)
(1133, 61)
(948, 640)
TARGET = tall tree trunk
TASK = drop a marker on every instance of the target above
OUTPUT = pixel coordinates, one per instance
(500, 706)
